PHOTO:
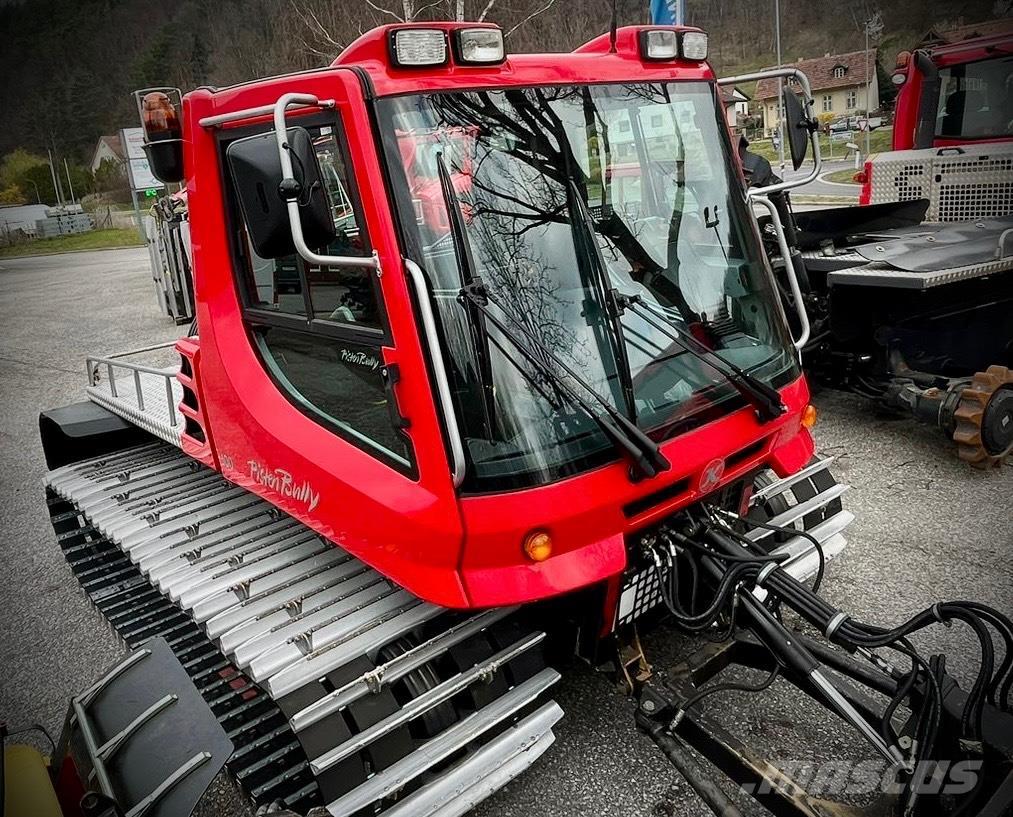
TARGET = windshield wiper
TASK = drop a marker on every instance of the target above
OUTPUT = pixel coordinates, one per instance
(646, 457)
(624, 434)
(765, 399)
(466, 262)
(583, 227)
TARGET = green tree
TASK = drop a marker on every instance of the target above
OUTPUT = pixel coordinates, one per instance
(15, 164)
(12, 195)
(39, 178)
(110, 176)
(152, 69)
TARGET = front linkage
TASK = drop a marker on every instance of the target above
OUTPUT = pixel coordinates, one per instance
(965, 738)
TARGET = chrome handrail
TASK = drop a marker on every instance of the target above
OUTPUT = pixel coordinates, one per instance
(261, 110)
(418, 280)
(93, 363)
(292, 204)
(789, 269)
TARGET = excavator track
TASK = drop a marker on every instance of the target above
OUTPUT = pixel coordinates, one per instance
(337, 687)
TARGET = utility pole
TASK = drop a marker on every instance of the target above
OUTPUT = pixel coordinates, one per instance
(70, 184)
(38, 198)
(56, 184)
(780, 85)
(873, 28)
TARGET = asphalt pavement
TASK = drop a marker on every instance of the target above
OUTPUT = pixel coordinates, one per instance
(838, 192)
(927, 528)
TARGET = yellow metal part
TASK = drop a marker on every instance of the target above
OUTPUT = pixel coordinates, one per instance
(28, 790)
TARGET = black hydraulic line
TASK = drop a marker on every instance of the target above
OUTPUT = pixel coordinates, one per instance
(726, 587)
(729, 686)
(680, 757)
(998, 695)
(849, 634)
(818, 581)
(922, 685)
(730, 557)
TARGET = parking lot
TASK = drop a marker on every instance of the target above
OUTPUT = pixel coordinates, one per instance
(927, 528)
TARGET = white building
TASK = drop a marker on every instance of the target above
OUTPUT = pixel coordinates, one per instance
(109, 148)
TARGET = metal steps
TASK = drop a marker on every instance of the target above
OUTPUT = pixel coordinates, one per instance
(337, 687)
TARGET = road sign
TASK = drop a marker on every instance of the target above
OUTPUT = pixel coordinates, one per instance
(140, 176)
(841, 136)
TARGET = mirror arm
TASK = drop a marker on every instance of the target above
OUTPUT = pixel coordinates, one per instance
(807, 104)
(789, 269)
(292, 203)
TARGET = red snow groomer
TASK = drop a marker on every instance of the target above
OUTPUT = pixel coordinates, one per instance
(459, 382)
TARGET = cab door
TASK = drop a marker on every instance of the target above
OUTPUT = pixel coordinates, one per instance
(312, 378)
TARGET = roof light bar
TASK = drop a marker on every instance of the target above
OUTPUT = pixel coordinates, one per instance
(419, 47)
(694, 45)
(479, 46)
(660, 44)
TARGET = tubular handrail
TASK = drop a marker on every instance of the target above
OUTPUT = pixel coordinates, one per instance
(292, 203)
(807, 102)
(261, 110)
(789, 269)
(432, 337)
(93, 363)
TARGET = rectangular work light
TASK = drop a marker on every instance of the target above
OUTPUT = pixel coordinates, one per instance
(659, 44)
(694, 45)
(479, 46)
(419, 47)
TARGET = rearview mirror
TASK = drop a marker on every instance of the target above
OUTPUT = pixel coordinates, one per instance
(256, 172)
(796, 126)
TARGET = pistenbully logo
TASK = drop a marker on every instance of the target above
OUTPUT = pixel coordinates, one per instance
(367, 361)
(281, 481)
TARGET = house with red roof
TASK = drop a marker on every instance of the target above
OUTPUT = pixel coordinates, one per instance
(842, 85)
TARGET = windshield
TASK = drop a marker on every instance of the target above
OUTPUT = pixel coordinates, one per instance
(976, 100)
(651, 163)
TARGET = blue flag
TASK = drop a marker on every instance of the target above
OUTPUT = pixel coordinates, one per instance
(665, 12)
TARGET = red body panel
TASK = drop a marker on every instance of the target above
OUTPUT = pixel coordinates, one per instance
(585, 516)
(451, 550)
(408, 529)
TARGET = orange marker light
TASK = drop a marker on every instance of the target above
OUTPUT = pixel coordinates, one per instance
(809, 416)
(538, 546)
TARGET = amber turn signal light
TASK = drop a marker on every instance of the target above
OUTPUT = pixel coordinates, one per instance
(809, 416)
(538, 546)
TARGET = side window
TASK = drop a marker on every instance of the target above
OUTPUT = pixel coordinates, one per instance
(319, 330)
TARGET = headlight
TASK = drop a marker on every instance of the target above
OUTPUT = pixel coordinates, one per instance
(659, 44)
(480, 46)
